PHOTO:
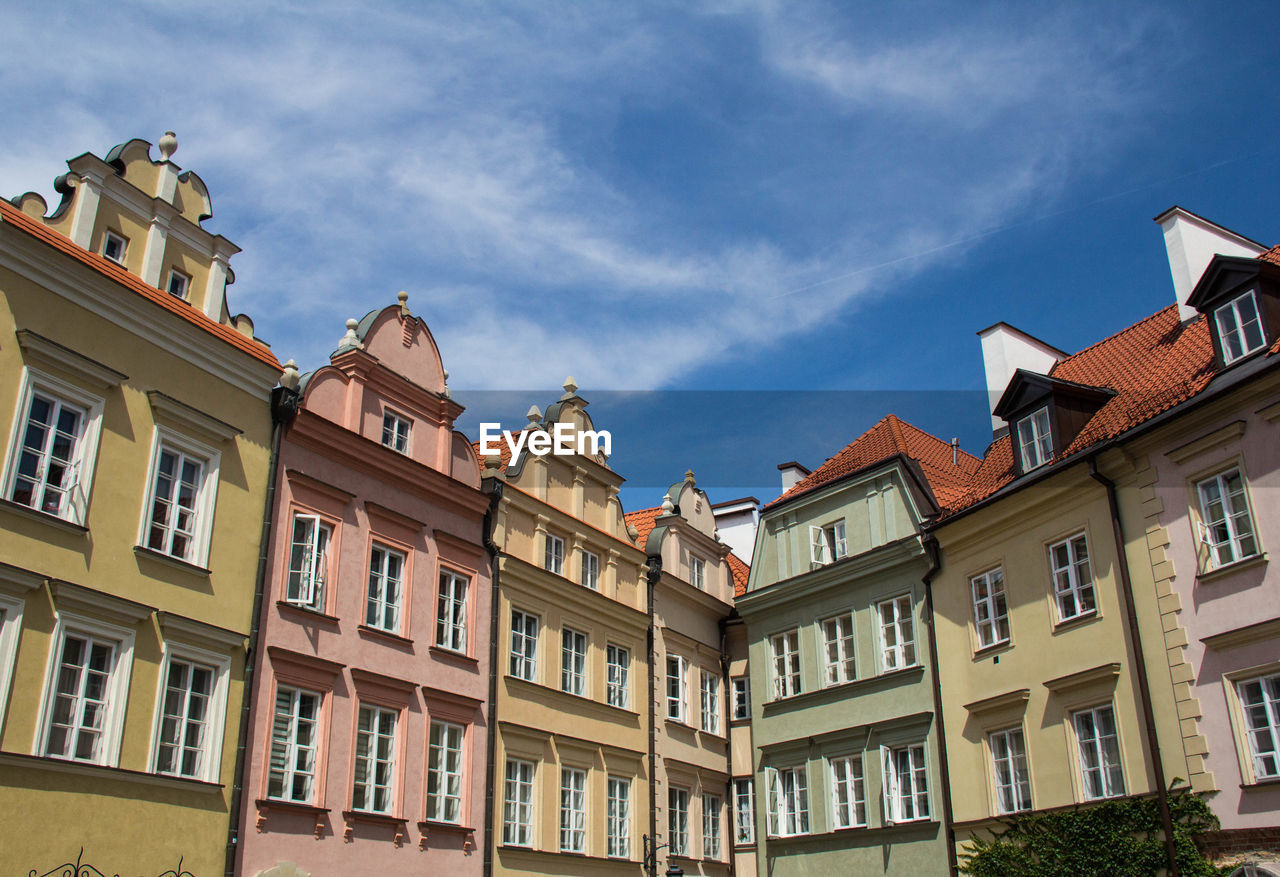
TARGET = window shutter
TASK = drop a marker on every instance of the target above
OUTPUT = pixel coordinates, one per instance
(817, 546)
(888, 785)
(842, 542)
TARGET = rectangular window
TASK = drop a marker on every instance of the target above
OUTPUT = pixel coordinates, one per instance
(83, 699)
(46, 474)
(785, 647)
(553, 555)
(698, 572)
(897, 634)
(1072, 578)
(618, 691)
(710, 697)
(573, 662)
(1260, 701)
(678, 821)
(741, 698)
(176, 510)
(517, 804)
(837, 634)
(788, 801)
(444, 773)
(451, 612)
(183, 746)
(1035, 442)
(114, 246)
(1100, 770)
(524, 646)
(178, 284)
(1239, 327)
(676, 682)
(906, 785)
(591, 570)
(828, 543)
(386, 586)
(1226, 525)
(619, 818)
(744, 812)
(1009, 763)
(395, 432)
(573, 810)
(292, 770)
(308, 562)
(711, 826)
(848, 793)
(375, 761)
(990, 608)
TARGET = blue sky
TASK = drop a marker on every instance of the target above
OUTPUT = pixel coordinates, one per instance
(720, 196)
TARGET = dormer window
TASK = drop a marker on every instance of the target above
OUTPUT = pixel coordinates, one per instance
(179, 283)
(1239, 327)
(113, 247)
(1035, 441)
(395, 432)
(828, 543)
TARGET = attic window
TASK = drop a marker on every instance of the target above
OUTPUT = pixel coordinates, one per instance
(1239, 327)
(113, 247)
(395, 432)
(178, 284)
(1035, 440)
(828, 543)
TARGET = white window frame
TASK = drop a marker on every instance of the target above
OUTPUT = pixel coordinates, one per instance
(379, 601)
(375, 758)
(697, 572)
(523, 659)
(1260, 721)
(451, 611)
(905, 783)
(446, 785)
(848, 792)
(215, 717)
(518, 802)
(618, 673)
(117, 692)
(573, 810)
(678, 821)
(828, 543)
(1232, 537)
(553, 554)
(618, 818)
(292, 747)
(108, 237)
(590, 570)
(784, 653)
(1068, 580)
(164, 439)
(313, 575)
(709, 699)
(838, 650)
(990, 608)
(76, 494)
(741, 698)
(573, 661)
(677, 694)
(184, 284)
(1010, 774)
(788, 801)
(712, 832)
(899, 650)
(1236, 331)
(397, 431)
(1106, 770)
(1035, 439)
(11, 609)
(744, 811)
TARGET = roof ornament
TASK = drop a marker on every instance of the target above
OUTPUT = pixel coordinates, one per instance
(668, 507)
(570, 388)
(633, 532)
(290, 380)
(534, 415)
(350, 341)
(688, 476)
(446, 392)
(168, 145)
(403, 298)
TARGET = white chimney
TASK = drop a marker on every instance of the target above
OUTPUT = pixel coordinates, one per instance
(1004, 351)
(792, 474)
(1192, 242)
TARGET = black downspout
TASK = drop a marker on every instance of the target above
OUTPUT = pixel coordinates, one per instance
(284, 408)
(944, 773)
(1140, 665)
(727, 688)
(494, 488)
(651, 859)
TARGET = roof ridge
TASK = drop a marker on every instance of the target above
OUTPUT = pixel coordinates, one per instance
(895, 429)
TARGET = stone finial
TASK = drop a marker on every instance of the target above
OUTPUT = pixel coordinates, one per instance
(570, 388)
(668, 507)
(446, 392)
(688, 476)
(493, 461)
(350, 341)
(633, 532)
(168, 145)
(403, 298)
(534, 415)
(290, 380)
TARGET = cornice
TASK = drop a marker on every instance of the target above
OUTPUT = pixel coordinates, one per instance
(535, 506)
(882, 560)
(558, 589)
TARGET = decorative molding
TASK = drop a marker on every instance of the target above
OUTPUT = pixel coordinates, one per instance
(1103, 673)
(49, 353)
(1216, 439)
(185, 417)
(1269, 413)
(393, 517)
(79, 600)
(1009, 699)
(16, 580)
(282, 656)
(179, 628)
(304, 480)
(1243, 636)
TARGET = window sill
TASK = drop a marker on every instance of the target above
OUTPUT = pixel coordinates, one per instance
(451, 655)
(1265, 783)
(378, 818)
(27, 511)
(432, 825)
(265, 804)
(287, 608)
(1075, 621)
(579, 698)
(994, 649)
(169, 559)
(379, 633)
(1222, 572)
(84, 768)
(889, 676)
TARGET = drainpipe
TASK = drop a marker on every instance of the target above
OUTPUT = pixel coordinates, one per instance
(284, 408)
(494, 489)
(1140, 665)
(652, 576)
(944, 774)
(727, 688)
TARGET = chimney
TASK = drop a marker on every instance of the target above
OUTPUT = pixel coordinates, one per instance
(1192, 242)
(792, 474)
(1004, 351)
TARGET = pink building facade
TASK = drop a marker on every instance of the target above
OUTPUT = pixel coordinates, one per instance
(368, 730)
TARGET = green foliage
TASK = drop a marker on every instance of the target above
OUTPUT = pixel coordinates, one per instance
(1118, 838)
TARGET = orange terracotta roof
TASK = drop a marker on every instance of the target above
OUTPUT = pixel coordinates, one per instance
(643, 520)
(740, 571)
(1272, 255)
(504, 451)
(949, 481)
(11, 215)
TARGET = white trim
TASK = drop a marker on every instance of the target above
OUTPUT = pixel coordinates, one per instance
(10, 632)
(216, 718)
(207, 501)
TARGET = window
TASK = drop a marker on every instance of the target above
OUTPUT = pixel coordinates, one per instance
(906, 787)
(828, 543)
(837, 633)
(1260, 701)
(788, 801)
(386, 579)
(49, 457)
(517, 805)
(113, 246)
(1072, 578)
(178, 284)
(619, 818)
(308, 562)
(573, 810)
(395, 432)
(678, 821)
(524, 646)
(292, 770)
(1035, 443)
(786, 663)
(553, 556)
(676, 687)
(451, 612)
(710, 826)
(444, 773)
(741, 698)
(744, 812)
(1226, 526)
(1009, 763)
(85, 705)
(11, 610)
(591, 570)
(1099, 744)
(1239, 327)
(698, 572)
(573, 662)
(848, 793)
(618, 691)
(180, 503)
(710, 697)
(183, 745)
(375, 761)
(897, 634)
(990, 609)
